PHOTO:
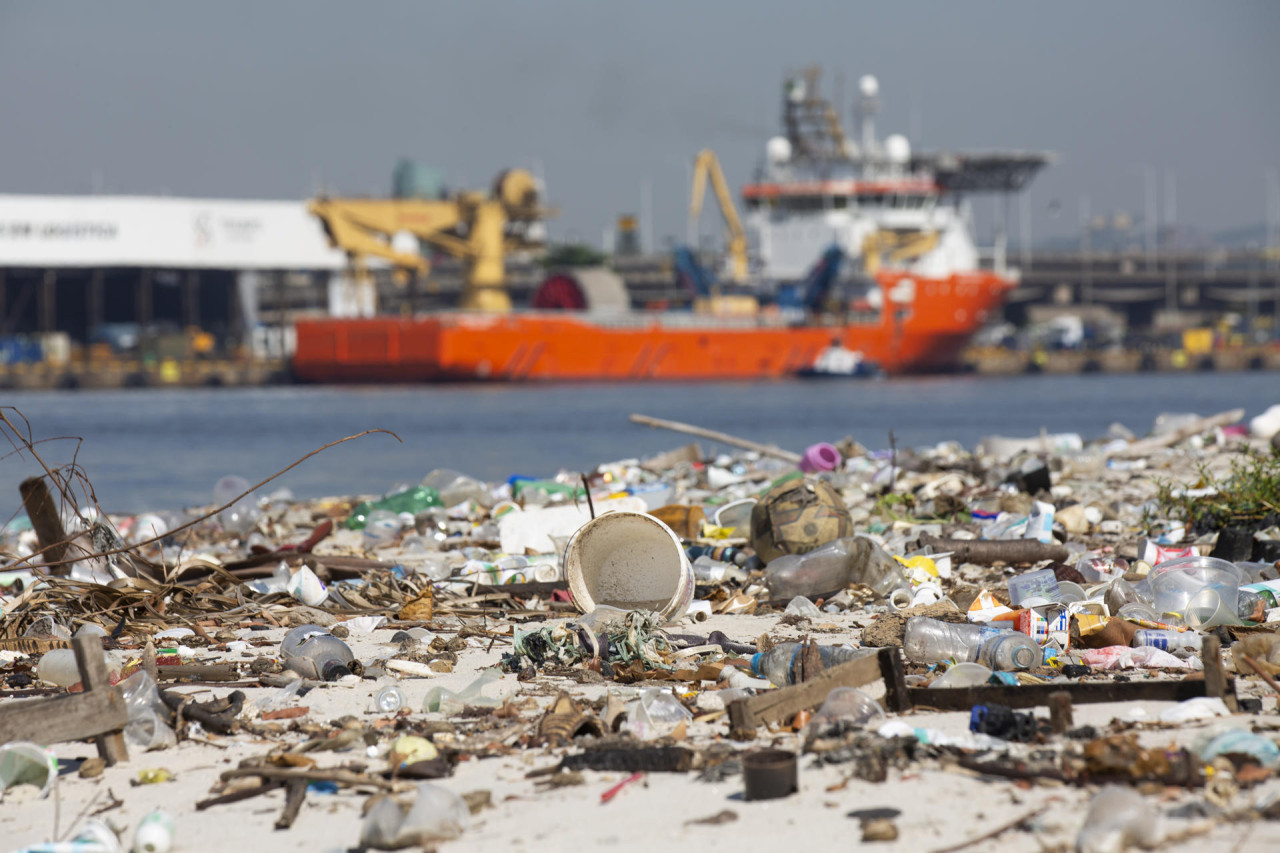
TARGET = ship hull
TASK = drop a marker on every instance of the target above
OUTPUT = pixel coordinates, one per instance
(925, 333)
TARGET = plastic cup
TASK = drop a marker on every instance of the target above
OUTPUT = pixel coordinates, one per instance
(964, 675)
(1175, 583)
(27, 763)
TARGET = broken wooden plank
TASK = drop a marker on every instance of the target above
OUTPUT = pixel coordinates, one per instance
(1082, 693)
(1060, 716)
(896, 697)
(62, 718)
(775, 706)
(92, 663)
(1215, 677)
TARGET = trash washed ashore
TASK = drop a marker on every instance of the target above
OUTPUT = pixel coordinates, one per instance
(936, 648)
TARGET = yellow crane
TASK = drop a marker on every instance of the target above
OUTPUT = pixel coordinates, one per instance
(478, 229)
(705, 166)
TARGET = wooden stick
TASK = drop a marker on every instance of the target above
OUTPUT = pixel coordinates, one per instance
(895, 680)
(1215, 677)
(44, 520)
(1004, 827)
(723, 438)
(986, 552)
(295, 794)
(1256, 667)
(92, 663)
(1060, 716)
(340, 777)
(237, 796)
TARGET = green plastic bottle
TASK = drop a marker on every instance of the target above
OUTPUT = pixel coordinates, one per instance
(412, 500)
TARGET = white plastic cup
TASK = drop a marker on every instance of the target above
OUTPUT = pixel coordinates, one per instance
(631, 561)
(22, 762)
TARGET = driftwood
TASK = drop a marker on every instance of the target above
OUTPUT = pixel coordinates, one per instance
(986, 552)
(723, 438)
(44, 520)
(1147, 446)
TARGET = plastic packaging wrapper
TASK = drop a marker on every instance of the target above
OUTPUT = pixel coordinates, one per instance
(849, 705)
(655, 714)
(1118, 819)
(436, 814)
(1197, 708)
(448, 702)
(1125, 657)
(1213, 743)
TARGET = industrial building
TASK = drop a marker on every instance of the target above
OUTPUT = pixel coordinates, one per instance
(79, 265)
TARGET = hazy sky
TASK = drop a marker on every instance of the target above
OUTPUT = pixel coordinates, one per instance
(273, 100)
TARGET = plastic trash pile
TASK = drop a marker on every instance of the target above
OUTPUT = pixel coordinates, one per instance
(384, 655)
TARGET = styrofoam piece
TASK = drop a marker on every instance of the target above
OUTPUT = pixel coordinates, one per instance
(533, 528)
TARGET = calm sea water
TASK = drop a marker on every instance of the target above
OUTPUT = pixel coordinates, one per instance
(165, 449)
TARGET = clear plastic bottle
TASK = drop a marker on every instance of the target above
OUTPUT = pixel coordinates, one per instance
(313, 652)
(776, 663)
(1010, 651)
(929, 641)
(833, 567)
(389, 699)
(1180, 643)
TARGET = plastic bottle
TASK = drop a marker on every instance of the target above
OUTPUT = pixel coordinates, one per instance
(389, 699)
(833, 567)
(776, 663)
(154, 833)
(313, 652)
(1011, 651)
(1180, 643)
(708, 570)
(929, 641)
(412, 500)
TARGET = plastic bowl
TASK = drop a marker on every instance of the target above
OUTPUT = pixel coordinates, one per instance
(1175, 582)
(964, 675)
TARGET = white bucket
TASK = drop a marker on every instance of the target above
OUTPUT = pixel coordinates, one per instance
(631, 561)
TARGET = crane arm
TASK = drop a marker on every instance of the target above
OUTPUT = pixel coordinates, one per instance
(359, 226)
(705, 166)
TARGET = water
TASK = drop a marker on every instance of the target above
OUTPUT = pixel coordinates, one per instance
(166, 449)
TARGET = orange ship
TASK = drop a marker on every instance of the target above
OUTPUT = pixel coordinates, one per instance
(918, 297)
(926, 334)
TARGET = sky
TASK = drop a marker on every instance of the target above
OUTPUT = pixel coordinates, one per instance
(283, 99)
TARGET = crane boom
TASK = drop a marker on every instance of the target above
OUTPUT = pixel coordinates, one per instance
(705, 166)
(477, 229)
